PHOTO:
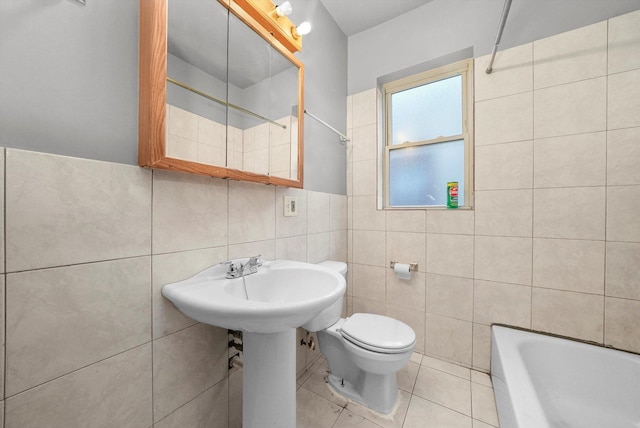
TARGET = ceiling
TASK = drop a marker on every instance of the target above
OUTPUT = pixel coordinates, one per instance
(354, 16)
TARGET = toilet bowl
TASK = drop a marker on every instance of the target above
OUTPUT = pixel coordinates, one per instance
(364, 353)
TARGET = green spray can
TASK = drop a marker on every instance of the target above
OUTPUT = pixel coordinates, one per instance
(452, 194)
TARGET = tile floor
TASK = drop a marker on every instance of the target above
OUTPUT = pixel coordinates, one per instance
(433, 394)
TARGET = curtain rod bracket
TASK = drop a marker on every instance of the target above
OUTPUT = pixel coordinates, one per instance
(343, 138)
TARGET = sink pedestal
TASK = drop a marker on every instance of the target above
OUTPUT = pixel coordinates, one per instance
(269, 379)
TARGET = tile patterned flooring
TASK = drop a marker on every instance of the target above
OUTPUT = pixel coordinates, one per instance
(433, 394)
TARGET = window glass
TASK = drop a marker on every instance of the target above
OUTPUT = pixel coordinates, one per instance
(428, 137)
(418, 175)
(427, 111)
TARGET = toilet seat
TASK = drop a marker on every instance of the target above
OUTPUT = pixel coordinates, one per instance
(378, 333)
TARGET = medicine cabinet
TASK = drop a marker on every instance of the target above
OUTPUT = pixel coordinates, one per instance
(221, 92)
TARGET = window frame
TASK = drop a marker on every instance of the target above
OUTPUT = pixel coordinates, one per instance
(465, 70)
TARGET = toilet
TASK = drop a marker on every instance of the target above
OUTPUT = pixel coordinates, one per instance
(364, 353)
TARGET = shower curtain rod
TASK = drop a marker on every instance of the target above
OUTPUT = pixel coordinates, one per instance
(343, 138)
(503, 20)
(222, 102)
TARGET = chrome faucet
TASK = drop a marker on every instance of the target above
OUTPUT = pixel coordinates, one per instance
(253, 264)
(248, 268)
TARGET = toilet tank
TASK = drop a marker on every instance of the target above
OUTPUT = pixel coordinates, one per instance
(340, 267)
(330, 315)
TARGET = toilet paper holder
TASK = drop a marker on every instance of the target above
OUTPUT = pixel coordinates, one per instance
(413, 267)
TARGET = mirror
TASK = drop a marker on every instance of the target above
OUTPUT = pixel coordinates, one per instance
(219, 95)
(263, 102)
(196, 89)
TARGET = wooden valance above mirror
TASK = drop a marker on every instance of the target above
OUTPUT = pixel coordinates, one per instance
(221, 92)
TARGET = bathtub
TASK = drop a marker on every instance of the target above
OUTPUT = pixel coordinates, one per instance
(542, 381)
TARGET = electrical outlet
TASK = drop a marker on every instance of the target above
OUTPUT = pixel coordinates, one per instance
(290, 206)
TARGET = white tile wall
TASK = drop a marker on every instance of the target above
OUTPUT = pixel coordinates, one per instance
(621, 321)
(450, 254)
(573, 213)
(450, 338)
(263, 149)
(185, 364)
(88, 330)
(554, 237)
(572, 108)
(208, 410)
(622, 275)
(62, 319)
(572, 265)
(183, 206)
(172, 267)
(500, 302)
(575, 160)
(512, 73)
(505, 119)
(111, 392)
(623, 156)
(450, 296)
(623, 203)
(504, 212)
(252, 215)
(568, 313)
(623, 101)
(49, 222)
(570, 57)
(503, 259)
(504, 166)
(624, 42)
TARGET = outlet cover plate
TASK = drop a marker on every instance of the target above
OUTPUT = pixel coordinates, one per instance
(290, 206)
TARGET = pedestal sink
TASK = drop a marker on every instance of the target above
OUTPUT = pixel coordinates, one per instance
(267, 306)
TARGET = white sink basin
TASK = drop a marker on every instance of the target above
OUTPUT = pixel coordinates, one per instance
(281, 295)
(268, 306)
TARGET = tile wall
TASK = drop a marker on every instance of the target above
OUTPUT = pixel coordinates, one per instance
(553, 242)
(88, 245)
(263, 149)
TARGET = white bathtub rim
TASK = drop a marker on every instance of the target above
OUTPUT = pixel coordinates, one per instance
(512, 410)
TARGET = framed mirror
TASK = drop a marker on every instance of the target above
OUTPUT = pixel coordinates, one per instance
(219, 94)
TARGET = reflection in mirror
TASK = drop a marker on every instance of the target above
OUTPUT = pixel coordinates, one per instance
(197, 81)
(262, 135)
(200, 114)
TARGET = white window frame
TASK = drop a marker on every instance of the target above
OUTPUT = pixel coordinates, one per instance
(462, 68)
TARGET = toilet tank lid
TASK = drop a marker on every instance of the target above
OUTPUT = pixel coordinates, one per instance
(379, 331)
(340, 267)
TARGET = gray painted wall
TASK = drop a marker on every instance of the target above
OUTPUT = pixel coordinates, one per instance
(442, 27)
(324, 54)
(69, 78)
(179, 97)
(68, 73)
(69, 82)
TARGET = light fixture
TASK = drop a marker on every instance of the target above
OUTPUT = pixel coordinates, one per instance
(301, 30)
(284, 9)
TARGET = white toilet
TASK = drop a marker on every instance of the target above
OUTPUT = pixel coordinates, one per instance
(364, 353)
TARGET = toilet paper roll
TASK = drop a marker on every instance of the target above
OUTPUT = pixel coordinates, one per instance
(402, 271)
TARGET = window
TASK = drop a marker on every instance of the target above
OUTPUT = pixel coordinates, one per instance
(428, 137)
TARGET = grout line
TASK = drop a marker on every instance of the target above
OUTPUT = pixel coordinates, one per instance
(151, 302)
(82, 263)
(4, 276)
(228, 190)
(78, 369)
(533, 178)
(606, 193)
(191, 400)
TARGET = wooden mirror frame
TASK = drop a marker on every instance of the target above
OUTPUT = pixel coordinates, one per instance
(153, 93)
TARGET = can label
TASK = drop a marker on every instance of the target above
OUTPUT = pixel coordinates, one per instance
(452, 194)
